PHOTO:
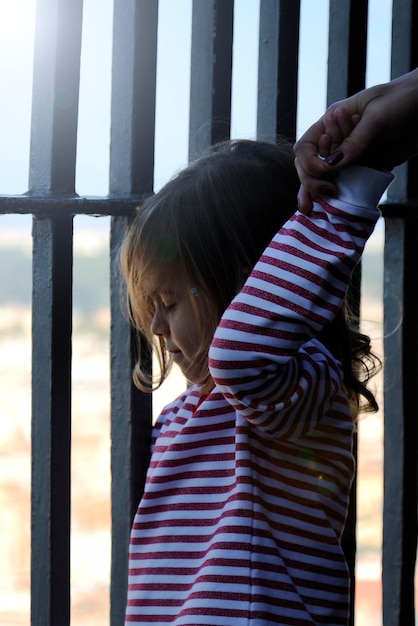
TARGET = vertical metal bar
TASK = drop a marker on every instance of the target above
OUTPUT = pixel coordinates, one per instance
(346, 75)
(347, 48)
(401, 423)
(51, 427)
(131, 435)
(401, 360)
(133, 97)
(56, 80)
(278, 69)
(404, 44)
(131, 173)
(393, 430)
(211, 74)
(52, 172)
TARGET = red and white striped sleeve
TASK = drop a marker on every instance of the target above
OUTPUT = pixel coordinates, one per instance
(264, 356)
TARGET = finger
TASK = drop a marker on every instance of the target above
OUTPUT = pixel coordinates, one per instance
(317, 185)
(344, 121)
(332, 128)
(324, 145)
(313, 166)
(362, 137)
(304, 201)
(306, 149)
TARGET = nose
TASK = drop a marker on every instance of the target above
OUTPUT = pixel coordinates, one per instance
(159, 324)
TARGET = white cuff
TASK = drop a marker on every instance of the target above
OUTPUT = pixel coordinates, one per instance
(362, 186)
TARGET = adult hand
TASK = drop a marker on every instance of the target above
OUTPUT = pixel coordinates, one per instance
(384, 121)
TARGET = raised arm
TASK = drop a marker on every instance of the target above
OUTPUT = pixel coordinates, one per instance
(260, 357)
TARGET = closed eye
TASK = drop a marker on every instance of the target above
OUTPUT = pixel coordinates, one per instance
(166, 303)
(169, 307)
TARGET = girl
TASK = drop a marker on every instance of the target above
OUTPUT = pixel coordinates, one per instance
(247, 490)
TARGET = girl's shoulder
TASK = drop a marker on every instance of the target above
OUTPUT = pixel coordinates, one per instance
(186, 401)
(175, 415)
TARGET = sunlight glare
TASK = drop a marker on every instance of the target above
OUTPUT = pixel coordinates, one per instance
(17, 21)
(17, 30)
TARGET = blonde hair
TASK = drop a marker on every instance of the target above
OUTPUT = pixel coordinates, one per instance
(138, 260)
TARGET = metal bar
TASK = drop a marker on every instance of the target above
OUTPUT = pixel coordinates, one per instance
(129, 206)
(51, 426)
(400, 433)
(52, 172)
(405, 209)
(56, 81)
(401, 360)
(133, 97)
(49, 206)
(404, 44)
(131, 176)
(394, 410)
(211, 74)
(131, 435)
(278, 69)
(347, 48)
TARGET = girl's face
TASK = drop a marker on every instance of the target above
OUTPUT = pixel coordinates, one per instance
(176, 320)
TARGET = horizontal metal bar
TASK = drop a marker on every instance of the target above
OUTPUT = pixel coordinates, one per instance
(58, 206)
(129, 206)
(392, 210)
(44, 206)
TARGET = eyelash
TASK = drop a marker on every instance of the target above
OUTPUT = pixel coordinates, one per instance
(169, 307)
(166, 306)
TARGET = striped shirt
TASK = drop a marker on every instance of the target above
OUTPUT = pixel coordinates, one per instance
(247, 490)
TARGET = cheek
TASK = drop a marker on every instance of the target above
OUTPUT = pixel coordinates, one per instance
(190, 329)
(192, 332)
(208, 320)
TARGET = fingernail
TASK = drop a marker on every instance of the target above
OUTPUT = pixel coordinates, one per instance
(334, 158)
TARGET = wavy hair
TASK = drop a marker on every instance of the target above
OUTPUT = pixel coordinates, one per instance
(211, 223)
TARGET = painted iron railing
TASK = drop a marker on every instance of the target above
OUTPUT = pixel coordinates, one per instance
(53, 202)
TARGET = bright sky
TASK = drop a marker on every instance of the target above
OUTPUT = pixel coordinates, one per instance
(16, 49)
